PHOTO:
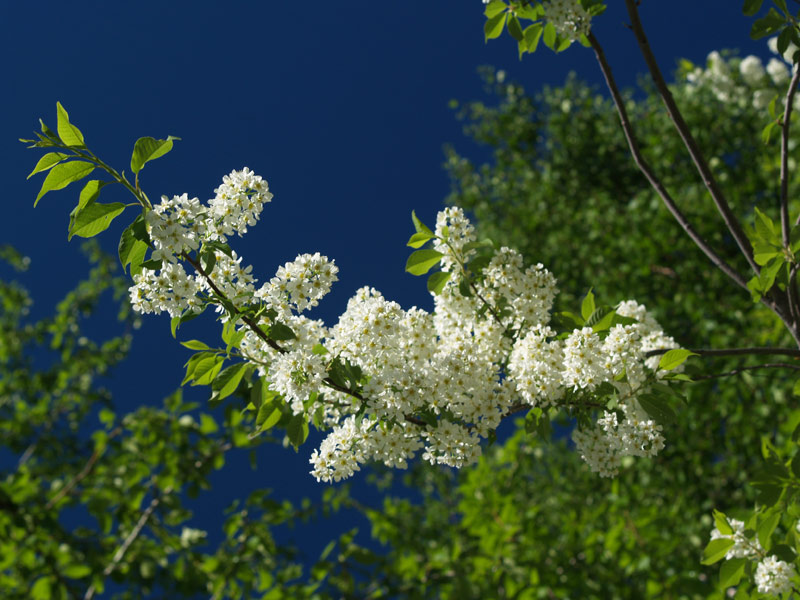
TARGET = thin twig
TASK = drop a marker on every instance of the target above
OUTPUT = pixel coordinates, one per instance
(644, 167)
(743, 369)
(756, 351)
(120, 553)
(691, 145)
(87, 468)
(787, 116)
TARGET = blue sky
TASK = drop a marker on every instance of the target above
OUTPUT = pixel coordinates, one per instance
(341, 106)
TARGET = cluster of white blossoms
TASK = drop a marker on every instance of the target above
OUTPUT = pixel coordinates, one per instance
(390, 383)
(747, 80)
(178, 225)
(569, 18)
(774, 576)
(743, 547)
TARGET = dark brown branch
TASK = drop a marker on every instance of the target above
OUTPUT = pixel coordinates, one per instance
(787, 116)
(691, 145)
(755, 351)
(743, 369)
(644, 167)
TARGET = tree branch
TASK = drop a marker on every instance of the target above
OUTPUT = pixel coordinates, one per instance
(743, 369)
(644, 167)
(755, 351)
(787, 115)
(691, 145)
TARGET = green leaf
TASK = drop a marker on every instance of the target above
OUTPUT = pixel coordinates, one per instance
(550, 35)
(674, 358)
(268, 415)
(514, 28)
(297, 430)
(195, 345)
(767, 230)
(48, 161)
(532, 35)
(437, 281)
(419, 226)
(784, 39)
(767, 25)
(731, 571)
(208, 424)
(76, 571)
(94, 218)
(421, 261)
(751, 7)
(765, 529)
(62, 174)
(463, 287)
(207, 369)
(587, 306)
(280, 332)
(721, 521)
(494, 26)
(658, 408)
(69, 134)
(766, 133)
(42, 589)
(494, 8)
(227, 381)
(90, 192)
(146, 149)
(716, 550)
(132, 248)
(419, 239)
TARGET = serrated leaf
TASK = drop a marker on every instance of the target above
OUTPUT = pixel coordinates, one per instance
(268, 415)
(419, 239)
(419, 226)
(280, 332)
(494, 26)
(94, 218)
(721, 522)
(131, 249)
(146, 149)
(69, 134)
(421, 261)
(674, 358)
(195, 345)
(731, 571)
(532, 35)
(297, 430)
(494, 8)
(514, 28)
(228, 380)
(437, 281)
(48, 161)
(549, 35)
(716, 550)
(62, 174)
(658, 408)
(765, 529)
(587, 306)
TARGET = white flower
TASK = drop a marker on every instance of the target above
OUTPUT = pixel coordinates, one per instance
(742, 547)
(778, 71)
(752, 71)
(774, 576)
(568, 17)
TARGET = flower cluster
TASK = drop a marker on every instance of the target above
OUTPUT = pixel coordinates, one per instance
(743, 547)
(569, 18)
(390, 382)
(754, 83)
(774, 576)
(178, 226)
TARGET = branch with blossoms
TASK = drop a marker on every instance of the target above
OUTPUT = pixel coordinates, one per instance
(386, 383)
